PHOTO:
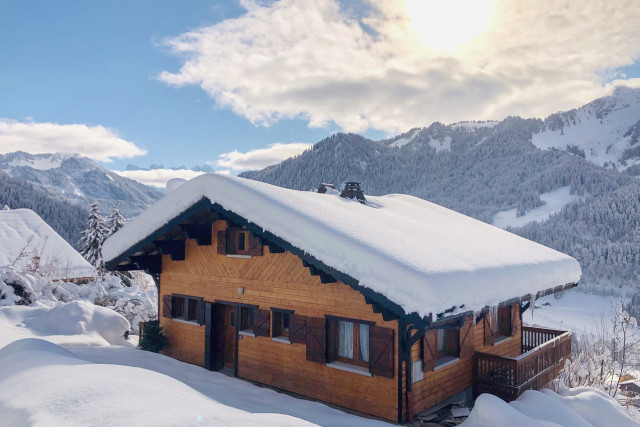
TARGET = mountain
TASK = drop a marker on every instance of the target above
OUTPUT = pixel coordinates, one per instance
(67, 219)
(524, 170)
(80, 181)
(605, 131)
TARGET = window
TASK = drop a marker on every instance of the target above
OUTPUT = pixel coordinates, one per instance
(448, 345)
(281, 321)
(187, 308)
(504, 321)
(238, 242)
(353, 342)
(246, 319)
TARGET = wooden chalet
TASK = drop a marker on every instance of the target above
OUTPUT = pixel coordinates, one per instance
(240, 291)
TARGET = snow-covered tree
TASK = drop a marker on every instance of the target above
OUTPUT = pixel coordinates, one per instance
(92, 239)
(115, 221)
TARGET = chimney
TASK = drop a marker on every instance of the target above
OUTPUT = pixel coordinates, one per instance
(352, 191)
(322, 188)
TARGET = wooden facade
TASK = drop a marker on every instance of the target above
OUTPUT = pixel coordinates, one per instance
(275, 280)
(221, 310)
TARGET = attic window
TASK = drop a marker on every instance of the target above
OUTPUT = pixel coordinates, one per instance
(238, 241)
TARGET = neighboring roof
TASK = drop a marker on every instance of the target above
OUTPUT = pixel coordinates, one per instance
(419, 255)
(23, 234)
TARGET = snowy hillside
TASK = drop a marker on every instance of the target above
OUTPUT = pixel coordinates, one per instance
(79, 180)
(28, 244)
(605, 131)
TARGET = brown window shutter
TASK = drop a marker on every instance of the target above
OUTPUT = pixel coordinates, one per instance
(261, 323)
(490, 330)
(201, 312)
(297, 326)
(466, 338)
(255, 245)
(222, 242)
(430, 341)
(515, 313)
(167, 306)
(332, 341)
(316, 339)
(381, 345)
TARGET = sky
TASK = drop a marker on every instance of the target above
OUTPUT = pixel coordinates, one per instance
(239, 85)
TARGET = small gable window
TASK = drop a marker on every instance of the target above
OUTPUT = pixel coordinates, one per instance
(238, 241)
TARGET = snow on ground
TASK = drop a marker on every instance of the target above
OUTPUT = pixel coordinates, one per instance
(441, 144)
(475, 125)
(554, 201)
(43, 385)
(42, 161)
(405, 140)
(24, 236)
(77, 323)
(422, 256)
(576, 407)
(82, 380)
(580, 312)
(595, 134)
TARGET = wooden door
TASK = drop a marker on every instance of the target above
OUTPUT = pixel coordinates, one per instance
(230, 321)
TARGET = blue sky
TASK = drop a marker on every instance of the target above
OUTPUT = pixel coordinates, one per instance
(188, 82)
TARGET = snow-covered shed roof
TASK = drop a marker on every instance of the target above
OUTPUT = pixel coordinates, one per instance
(419, 255)
(24, 235)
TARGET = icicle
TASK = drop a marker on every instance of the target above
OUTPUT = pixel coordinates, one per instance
(533, 303)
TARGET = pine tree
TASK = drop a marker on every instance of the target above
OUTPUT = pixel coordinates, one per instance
(92, 239)
(115, 221)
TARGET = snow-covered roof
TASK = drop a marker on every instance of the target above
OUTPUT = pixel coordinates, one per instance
(24, 235)
(417, 254)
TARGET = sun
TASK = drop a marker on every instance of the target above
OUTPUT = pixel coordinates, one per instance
(446, 25)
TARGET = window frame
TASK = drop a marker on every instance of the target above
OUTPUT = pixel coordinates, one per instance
(249, 319)
(232, 237)
(280, 317)
(186, 312)
(356, 342)
(447, 355)
(504, 325)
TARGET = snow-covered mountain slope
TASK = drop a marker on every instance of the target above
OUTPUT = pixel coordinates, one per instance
(79, 180)
(28, 244)
(605, 131)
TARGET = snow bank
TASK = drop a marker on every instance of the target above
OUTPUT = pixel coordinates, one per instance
(42, 386)
(135, 304)
(72, 324)
(578, 407)
(422, 256)
(27, 243)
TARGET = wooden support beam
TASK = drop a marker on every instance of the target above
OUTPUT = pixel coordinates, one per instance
(200, 232)
(175, 248)
(152, 264)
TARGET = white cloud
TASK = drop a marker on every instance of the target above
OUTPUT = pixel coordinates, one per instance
(313, 60)
(262, 157)
(96, 142)
(158, 177)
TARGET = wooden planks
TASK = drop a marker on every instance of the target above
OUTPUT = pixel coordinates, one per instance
(276, 280)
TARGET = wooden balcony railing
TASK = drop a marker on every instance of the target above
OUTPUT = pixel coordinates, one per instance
(508, 377)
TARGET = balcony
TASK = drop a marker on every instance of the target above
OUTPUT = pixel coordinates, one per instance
(543, 354)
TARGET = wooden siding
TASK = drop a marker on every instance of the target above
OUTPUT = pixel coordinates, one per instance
(443, 383)
(276, 280)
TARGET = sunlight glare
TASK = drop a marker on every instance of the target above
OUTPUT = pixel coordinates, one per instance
(448, 24)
